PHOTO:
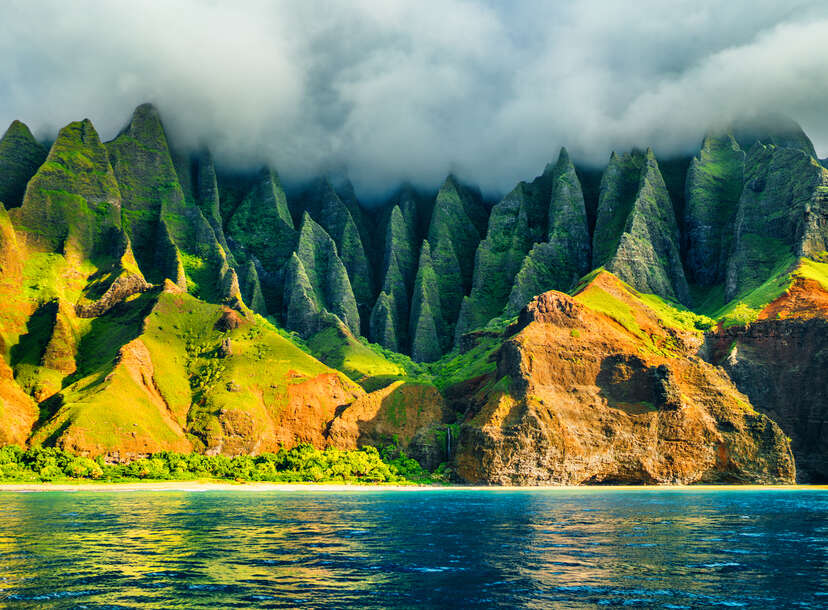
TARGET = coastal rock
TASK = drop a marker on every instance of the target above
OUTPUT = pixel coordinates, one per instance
(778, 361)
(396, 413)
(577, 398)
(18, 411)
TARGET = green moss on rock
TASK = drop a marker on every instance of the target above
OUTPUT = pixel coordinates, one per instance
(384, 322)
(389, 317)
(714, 184)
(316, 282)
(197, 176)
(328, 209)
(557, 263)
(263, 229)
(73, 201)
(252, 289)
(782, 214)
(429, 336)
(638, 221)
(457, 224)
(156, 210)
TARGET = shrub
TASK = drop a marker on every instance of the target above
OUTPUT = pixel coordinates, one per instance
(10, 454)
(302, 463)
(83, 467)
(50, 472)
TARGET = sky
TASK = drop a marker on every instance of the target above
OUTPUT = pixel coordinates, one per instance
(390, 90)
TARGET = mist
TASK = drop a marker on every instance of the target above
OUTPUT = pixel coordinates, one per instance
(390, 91)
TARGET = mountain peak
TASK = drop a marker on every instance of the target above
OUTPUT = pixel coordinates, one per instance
(145, 124)
(20, 157)
(20, 130)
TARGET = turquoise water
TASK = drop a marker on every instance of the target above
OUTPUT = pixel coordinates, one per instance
(563, 549)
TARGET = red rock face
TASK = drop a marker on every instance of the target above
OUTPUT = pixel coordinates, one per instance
(577, 398)
(779, 362)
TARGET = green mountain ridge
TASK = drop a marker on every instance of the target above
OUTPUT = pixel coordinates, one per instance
(221, 315)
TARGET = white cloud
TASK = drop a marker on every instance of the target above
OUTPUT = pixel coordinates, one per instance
(393, 90)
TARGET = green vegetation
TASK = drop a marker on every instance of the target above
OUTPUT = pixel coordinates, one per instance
(357, 358)
(201, 278)
(429, 333)
(333, 215)
(619, 185)
(111, 369)
(262, 225)
(457, 224)
(389, 316)
(745, 308)
(816, 270)
(455, 367)
(676, 314)
(600, 300)
(647, 255)
(714, 184)
(666, 313)
(20, 156)
(302, 463)
(316, 282)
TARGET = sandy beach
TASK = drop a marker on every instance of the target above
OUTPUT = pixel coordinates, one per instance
(222, 486)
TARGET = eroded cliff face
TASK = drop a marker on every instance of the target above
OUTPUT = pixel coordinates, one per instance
(579, 398)
(779, 362)
(408, 414)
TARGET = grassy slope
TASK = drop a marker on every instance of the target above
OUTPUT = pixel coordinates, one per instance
(710, 308)
(180, 335)
(647, 316)
(746, 307)
(359, 361)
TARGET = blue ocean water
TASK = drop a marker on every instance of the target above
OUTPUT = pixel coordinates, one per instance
(387, 549)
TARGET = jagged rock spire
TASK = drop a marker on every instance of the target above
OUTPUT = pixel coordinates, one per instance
(20, 157)
(636, 233)
(316, 282)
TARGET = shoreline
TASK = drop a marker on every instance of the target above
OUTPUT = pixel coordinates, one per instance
(207, 486)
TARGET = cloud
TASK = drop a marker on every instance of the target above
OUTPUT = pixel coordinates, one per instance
(389, 90)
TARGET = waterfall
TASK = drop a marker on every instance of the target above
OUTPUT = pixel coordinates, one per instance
(448, 442)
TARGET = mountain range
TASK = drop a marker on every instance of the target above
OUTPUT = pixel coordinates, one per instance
(654, 321)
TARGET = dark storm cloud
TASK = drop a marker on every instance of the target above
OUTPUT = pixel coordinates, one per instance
(392, 91)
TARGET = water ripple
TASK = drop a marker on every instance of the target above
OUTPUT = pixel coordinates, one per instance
(430, 549)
